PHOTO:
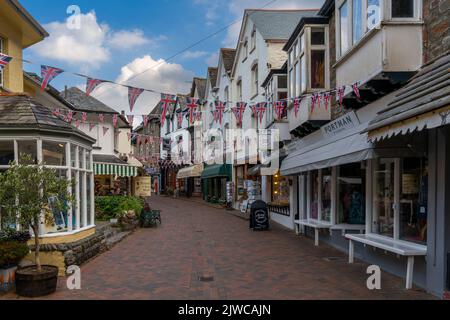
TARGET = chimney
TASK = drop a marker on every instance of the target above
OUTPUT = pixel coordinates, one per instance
(65, 92)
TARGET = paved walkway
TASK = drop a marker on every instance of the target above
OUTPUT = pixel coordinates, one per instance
(197, 242)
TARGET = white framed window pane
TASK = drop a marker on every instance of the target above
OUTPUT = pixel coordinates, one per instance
(1, 70)
(302, 42)
(292, 83)
(73, 153)
(317, 36)
(297, 79)
(54, 153)
(60, 217)
(298, 48)
(89, 198)
(282, 82)
(343, 22)
(414, 200)
(351, 191)
(373, 14)
(88, 160)
(357, 21)
(317, 69)
(383, 198)
(402, 8)
(82, 200)
(75, 203)
(28, 148)
(6, 152)
(326, 195)
(315, 187)
(303, 69)
(80, 158)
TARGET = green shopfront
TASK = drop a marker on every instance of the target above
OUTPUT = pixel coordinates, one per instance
(214, 182)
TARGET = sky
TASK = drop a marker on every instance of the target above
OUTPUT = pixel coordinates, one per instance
(118, 39)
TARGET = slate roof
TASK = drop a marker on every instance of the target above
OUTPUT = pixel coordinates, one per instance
(200, 84)
(277, 24)
(228, 56)
(83, 103)
(427, 91)
(212, 75)
(22, 112)
(101, 158)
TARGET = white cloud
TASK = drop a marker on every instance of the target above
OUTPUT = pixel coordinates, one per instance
(194, 54)
(213, 60)
(162, 77)
(91, 44)
(127, 39)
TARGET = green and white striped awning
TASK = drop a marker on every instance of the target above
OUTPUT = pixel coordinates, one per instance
(101, 169)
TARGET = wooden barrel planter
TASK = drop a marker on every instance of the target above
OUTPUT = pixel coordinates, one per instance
(7, 278)
(33, 284)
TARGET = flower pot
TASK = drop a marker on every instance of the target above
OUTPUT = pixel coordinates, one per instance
(7, 278)
(33, 284)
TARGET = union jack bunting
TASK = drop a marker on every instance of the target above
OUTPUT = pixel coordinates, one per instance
(133, 95)
(139, 140)
(77, 124)
(57, 112)
(48, 74)
(254, 111)
(356, 90)
(220, 108)
(192, 105)
(130, 119)
(145, 120)
(215, 115)
(314, 98)
(105, 130)
(279, 109)
(327, 98)
(239, 111)
(261, 110)
(101, 118)
(4, 60)
(92, 126)
(341, 93)
(115, 120)
(84, 116)
(166, 100)
(297, 106)
(198, 116)
(92, 84)
(69, 116)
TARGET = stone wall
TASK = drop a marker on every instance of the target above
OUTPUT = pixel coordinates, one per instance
(436, 35)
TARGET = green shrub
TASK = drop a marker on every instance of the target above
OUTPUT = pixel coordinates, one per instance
(11, 253)
(9, 235)
(112, 207)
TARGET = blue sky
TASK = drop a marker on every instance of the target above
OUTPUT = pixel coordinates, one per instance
(119, 39)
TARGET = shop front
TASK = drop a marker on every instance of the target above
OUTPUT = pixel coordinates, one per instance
(214, 182)
(349, 188)
(190, 181)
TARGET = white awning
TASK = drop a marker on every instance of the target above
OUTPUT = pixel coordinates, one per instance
(191, 172)
(329, 153)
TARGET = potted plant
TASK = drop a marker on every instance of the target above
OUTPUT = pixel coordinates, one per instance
(26, 191)
(13, 249)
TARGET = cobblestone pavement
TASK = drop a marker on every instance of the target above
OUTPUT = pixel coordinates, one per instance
(197, 241)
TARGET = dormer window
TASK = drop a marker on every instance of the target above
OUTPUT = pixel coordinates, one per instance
(308, 60)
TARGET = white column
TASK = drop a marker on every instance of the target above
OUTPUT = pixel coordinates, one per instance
(69, 188)
(84, 190)
(40, 161)
(351, 252)
(77, 189)
(410, 273)
(319, 204)
(92, 182)
(397, 181)
(369, 195)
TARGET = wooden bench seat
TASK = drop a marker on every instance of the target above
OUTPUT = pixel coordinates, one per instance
(316, 225)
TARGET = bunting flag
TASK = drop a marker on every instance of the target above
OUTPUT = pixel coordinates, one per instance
(261, 110)
(327, 99)
(254, 111)
(239, 111)
(77, 124)
(166, 100)
(139, 140)
(180, 119)
(92, 126)
(57, 112)
(341, 93)
(313, 102)
(356, 90)
(133, 95)
(297, 102)
(279, 109)
(115, 120)
(192, 106)
(69, 116)
(4, 60)
(101, 118)
(48, 74)
(92, 84)
(145, 120)
(130, 119)
(220, 108)
(84, 117)
(105, 130)
(215, 116)
(198, 116)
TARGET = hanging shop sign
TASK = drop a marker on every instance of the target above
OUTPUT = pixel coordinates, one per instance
(346, 122)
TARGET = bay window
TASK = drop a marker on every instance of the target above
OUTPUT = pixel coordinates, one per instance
(6, 152)
(402, 8)
(357, 20)
(344, 29)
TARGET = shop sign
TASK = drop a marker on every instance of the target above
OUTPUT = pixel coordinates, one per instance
(143, 186)
(346, 122)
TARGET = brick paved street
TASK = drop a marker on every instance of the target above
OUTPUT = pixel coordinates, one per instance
(199, 241)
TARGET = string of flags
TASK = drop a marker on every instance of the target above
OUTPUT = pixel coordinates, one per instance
(4, 60)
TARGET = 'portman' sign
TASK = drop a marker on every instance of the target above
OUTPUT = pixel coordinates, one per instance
(346, 122)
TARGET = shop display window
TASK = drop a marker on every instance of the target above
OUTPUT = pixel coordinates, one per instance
(413, 200)
(326, 194)
(54, 153)
(280, 190)
(351, 191)
(28, 148)
(383, 197)
(315, 185)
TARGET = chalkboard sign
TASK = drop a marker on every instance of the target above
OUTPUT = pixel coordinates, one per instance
(259, 219)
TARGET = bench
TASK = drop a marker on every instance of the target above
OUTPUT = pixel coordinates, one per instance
(398, 247)
(316, 225)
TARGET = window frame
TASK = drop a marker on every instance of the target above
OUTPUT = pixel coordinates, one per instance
(2, 50)
(253, 40)
(254, 80)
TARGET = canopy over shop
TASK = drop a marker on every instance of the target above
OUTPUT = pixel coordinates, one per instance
(190, 181)
(214, 180)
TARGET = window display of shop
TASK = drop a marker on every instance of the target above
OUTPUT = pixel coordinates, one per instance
(280, 195)
(351, 191)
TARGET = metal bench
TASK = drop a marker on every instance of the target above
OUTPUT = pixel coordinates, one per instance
(399, 247)
(316, 225)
